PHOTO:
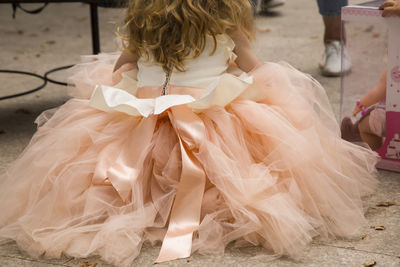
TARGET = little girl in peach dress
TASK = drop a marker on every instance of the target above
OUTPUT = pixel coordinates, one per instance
(188, 140)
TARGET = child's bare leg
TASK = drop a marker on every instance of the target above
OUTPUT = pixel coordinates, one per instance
(367, 135)
(332, 28)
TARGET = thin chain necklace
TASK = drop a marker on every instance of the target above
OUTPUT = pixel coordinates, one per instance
(166, 83)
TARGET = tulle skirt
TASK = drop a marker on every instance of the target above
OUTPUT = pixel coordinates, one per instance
(270, 171)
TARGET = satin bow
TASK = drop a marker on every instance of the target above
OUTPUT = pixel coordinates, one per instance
(122, 168)
(185, 213)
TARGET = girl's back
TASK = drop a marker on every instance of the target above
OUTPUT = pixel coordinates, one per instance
(201, 71)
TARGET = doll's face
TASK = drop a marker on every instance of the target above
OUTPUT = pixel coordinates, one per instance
(395, 74)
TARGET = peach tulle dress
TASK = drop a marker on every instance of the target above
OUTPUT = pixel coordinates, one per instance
(214, 156)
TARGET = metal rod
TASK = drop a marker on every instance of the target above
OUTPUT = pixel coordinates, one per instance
(94, 20)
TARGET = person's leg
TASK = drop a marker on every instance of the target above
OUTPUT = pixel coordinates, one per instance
(332, 28)
(331, 11)
(254, 4)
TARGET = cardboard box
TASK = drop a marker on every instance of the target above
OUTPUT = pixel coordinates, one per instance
(372, 44)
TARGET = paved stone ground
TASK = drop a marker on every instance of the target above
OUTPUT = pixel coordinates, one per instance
(57, 36)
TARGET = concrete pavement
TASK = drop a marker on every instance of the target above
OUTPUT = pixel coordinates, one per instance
(61, 33)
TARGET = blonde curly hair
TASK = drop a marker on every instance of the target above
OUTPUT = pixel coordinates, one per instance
(173, 31)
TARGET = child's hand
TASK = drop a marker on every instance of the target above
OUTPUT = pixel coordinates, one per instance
(390, 7)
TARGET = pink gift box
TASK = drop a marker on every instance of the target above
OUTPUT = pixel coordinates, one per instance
(372, 44)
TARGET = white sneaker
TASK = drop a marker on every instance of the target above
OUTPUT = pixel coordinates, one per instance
(267, 4)
(333, 66)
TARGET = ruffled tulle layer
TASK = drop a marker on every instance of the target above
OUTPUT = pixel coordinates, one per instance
(101, 183)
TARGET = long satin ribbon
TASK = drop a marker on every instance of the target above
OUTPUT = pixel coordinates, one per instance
(185, 214)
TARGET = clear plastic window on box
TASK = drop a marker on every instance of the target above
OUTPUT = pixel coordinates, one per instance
(371, 46)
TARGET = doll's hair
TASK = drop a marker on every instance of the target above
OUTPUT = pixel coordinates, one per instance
(172, 31)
